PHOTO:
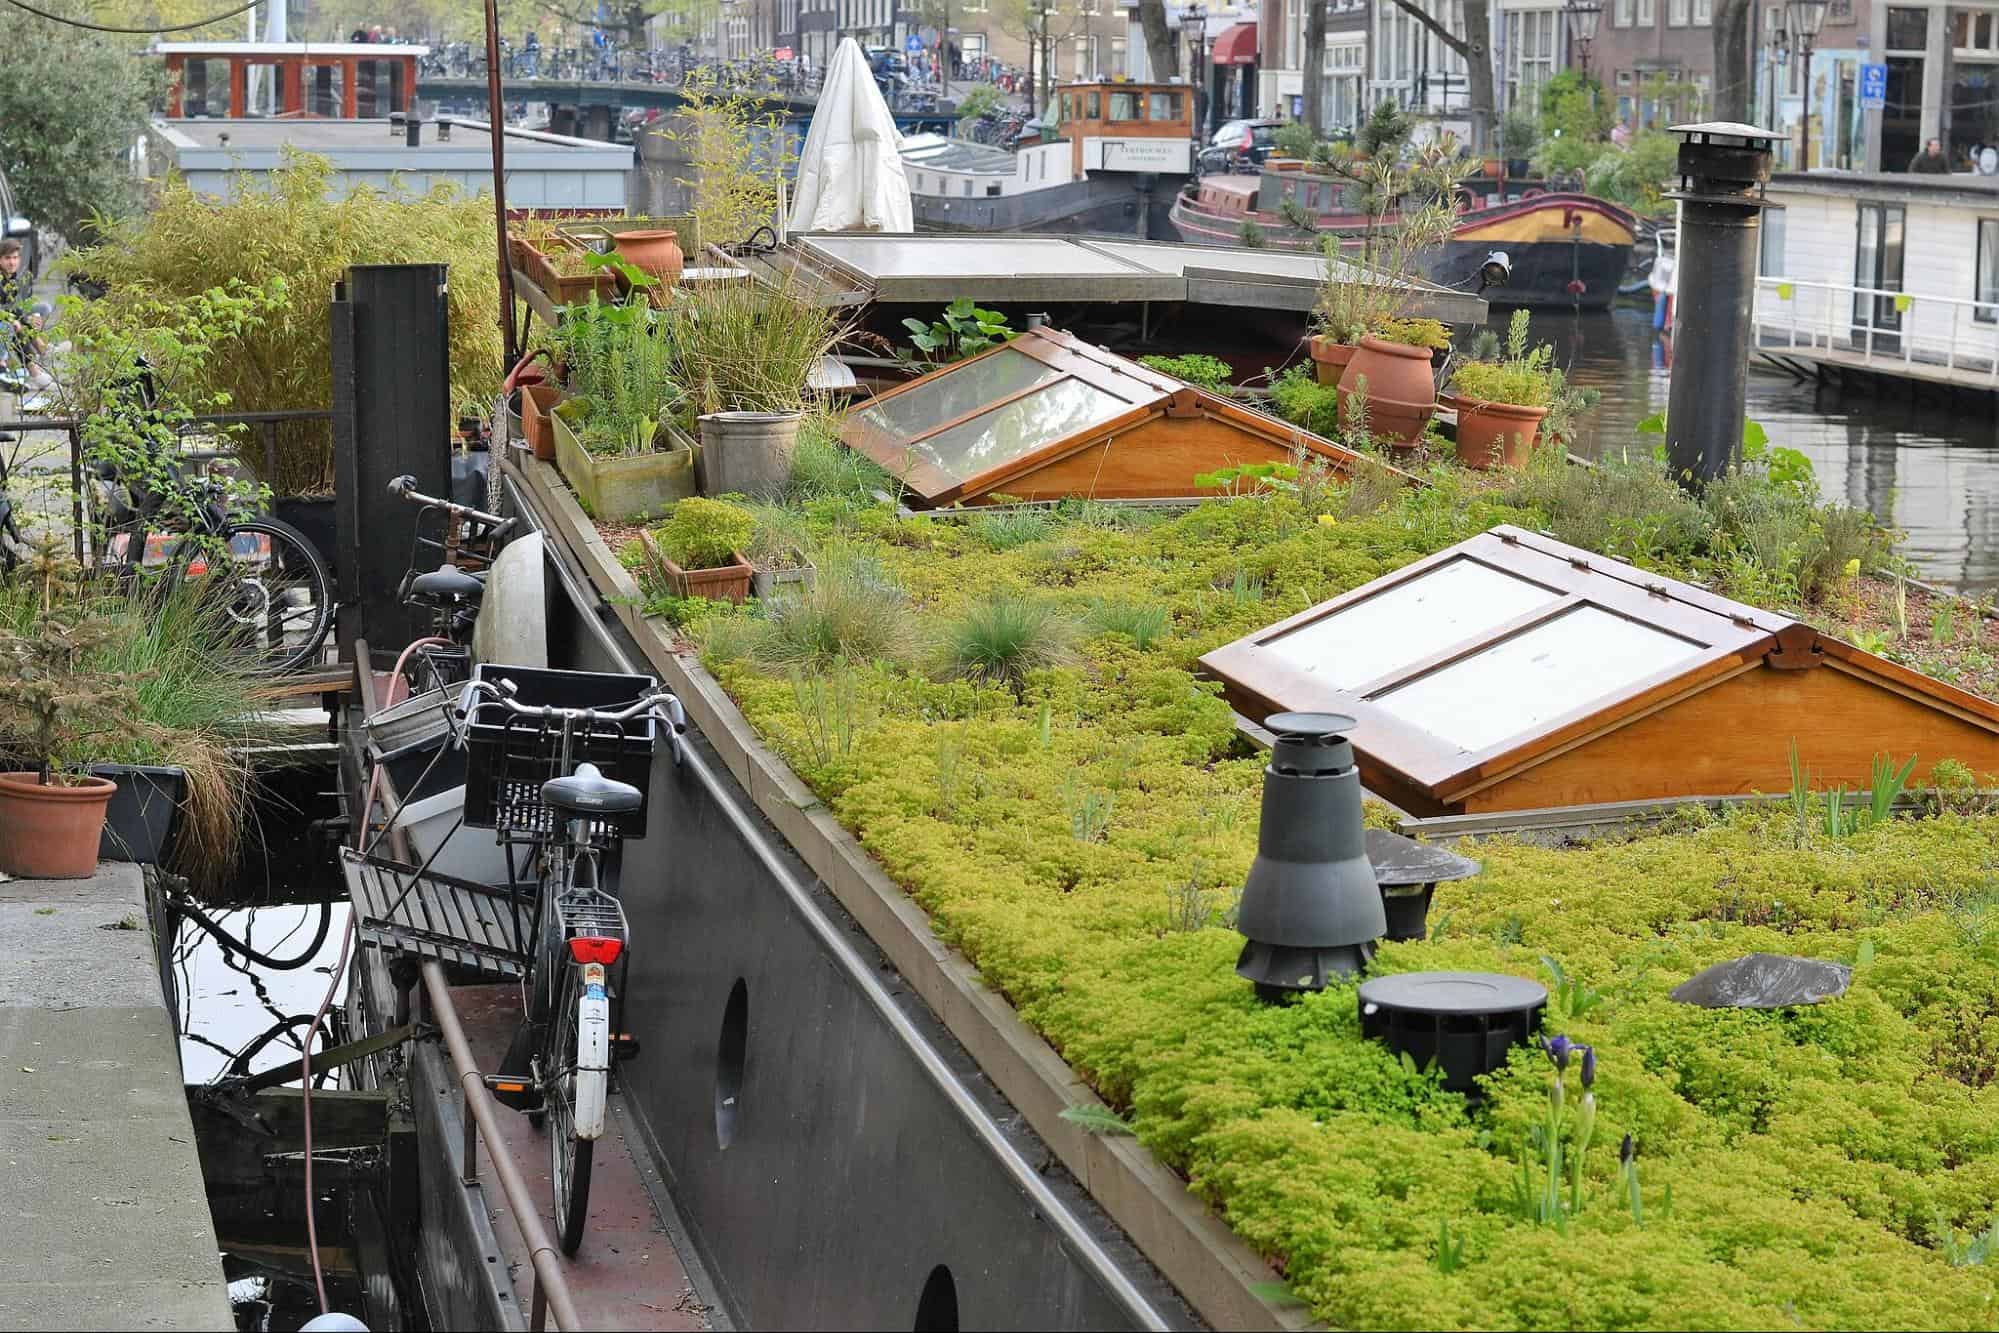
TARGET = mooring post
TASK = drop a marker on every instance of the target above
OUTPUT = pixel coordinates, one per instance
(1723, 169)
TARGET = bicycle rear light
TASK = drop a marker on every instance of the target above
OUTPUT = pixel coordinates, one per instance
(595, 949)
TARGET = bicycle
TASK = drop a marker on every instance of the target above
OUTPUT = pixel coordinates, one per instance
(574, 825)
(452, 592)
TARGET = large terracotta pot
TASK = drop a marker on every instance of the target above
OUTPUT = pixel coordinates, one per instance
(1496, 434)
(1401, 391)
(537, 418)
(1329, 358)
(657, 252)
(51, 832)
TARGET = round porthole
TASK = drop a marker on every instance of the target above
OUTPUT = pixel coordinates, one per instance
(937, 1308)
(729, 1055)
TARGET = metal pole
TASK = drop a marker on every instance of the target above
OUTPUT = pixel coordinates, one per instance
(1723, 169)
(496, 112)
(1805, 158)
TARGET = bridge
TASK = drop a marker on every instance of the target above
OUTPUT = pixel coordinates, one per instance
(591, 106)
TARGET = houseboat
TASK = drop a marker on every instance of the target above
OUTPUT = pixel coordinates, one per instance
(1868, 275)
(1565, 249)
(1111, 158)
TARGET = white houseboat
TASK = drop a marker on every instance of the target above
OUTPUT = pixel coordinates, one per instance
(1866, 274)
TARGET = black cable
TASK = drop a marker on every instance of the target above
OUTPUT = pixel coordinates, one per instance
(229, 941)
(133, 32)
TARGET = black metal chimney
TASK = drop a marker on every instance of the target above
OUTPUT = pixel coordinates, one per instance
(1310, 906)
(414, 127)
(1723, 169)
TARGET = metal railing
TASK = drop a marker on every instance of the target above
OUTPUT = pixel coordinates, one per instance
(1877, 327)
(482, 1120)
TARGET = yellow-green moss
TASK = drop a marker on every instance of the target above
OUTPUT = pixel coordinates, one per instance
(1796, 1166)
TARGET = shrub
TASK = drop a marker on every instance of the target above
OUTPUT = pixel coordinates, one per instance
(1294, 138)
(1419, 332)
(1626, 508)
(704, 534)
(1301, 400)
(1207, 372)
(285, 227)
(1005, 636)
(851, 613)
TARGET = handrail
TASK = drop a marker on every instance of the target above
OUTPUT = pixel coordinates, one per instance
(1930, 331)
(551, 1286)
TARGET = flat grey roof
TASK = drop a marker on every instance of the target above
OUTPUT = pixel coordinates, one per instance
(200, 143)
(942, 154)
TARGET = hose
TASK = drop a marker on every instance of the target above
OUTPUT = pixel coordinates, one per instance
(229, 941)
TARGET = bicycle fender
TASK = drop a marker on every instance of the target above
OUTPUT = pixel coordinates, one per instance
(593, 1053)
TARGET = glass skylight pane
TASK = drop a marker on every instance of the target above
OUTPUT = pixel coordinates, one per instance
(1572, 661)
(952, 394)
(1407, 623)
(1020, 427)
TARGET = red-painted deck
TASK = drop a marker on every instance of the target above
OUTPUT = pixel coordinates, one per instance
(628, 1275)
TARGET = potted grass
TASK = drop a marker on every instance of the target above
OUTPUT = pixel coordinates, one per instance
(776, 551)
(745, 354)
(1393, 362)
(1501, 399)
(697, 551)
(56, 702)
(613, 438)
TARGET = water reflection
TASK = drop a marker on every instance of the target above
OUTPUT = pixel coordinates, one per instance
(229, 1007)
(1930, 466)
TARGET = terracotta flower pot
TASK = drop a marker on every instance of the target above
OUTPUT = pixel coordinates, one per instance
(1401, 390)
(1329, 358)
(1496, 434)
(51, 832)
(724, 583)
(657, 252)
(537, 420)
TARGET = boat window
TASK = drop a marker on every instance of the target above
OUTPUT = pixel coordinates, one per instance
(1068, 106)
(1017, 428)
(1165, 106)
(1124, 106)
(1096, 111)
(941, 398)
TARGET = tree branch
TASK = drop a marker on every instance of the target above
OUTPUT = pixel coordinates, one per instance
(1470, 50)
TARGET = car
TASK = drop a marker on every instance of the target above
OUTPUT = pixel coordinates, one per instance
(15, 225)
(1240, 145)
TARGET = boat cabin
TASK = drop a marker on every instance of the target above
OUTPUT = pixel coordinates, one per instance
(1128, 126)
(248, 80)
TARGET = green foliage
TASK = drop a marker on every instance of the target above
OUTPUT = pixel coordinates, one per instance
(59, 701)
(72, 104)
(283, 231)
(1006, 529)
(1386, 129)
(747, 346)
(735, 148)
(822, 468)
(1518, 132)
(977, 101)
(1637, 174)
(1412, 209)
(1574, 107)
(1251, 235)
(1523, 378)
(622, 371)
(1144, 623)
(1246, 478)
(1301, 400)
(963, 330)
(1294, 138)
(1208, 372)
(1003, 638)
(1100, 1120)
(702, 533)
(1417, 332)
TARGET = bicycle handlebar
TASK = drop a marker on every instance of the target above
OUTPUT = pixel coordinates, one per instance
(405, 487)
(661, 702)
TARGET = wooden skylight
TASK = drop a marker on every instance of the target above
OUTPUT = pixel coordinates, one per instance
(1048, 416)
(1515, 672)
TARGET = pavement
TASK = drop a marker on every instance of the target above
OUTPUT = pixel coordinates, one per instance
(106, 1222)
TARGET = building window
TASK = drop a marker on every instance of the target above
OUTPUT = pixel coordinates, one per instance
(1972, 32)
(1530, 52)
(1909, 30)
(1988, 273)
(1620, 14)
(1703, 13)
(1648, 13)
(1676, 13)
(1117, 58)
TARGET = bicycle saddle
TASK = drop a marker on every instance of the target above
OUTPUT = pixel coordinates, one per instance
(447, 584)
(589, 792)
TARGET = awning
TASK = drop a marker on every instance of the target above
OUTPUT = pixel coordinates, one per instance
(1237, 46)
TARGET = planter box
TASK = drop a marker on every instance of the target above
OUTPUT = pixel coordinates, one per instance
(729, 583)
(767, 582)
(143, 816)
(565, 290)
(537, 420)
(621, 489)
(594, 229)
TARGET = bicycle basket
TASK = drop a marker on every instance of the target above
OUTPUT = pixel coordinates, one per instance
(508, 757)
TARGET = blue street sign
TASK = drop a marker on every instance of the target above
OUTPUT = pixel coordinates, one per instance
(912, 43)
(1873, 86)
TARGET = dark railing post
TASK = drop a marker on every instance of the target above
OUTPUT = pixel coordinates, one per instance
(76, 492)
(1723, 169)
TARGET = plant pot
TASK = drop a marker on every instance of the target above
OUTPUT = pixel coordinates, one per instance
(1276, 163)
(657, 252)
(144, 813)
(314, 517)
(1496, 434)
(1517, 166)
(1329, 358)
(1401, 389)
(537, 418)
(566, 290)
(51, 832)
(748, 453)
(619, 490)
(767, 582)
(1493, 168)
(725, 583)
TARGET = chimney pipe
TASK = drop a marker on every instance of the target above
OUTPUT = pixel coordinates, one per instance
(1723, 169)
(414, 127)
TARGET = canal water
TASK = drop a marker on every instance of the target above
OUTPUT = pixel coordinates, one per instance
(1928, 468)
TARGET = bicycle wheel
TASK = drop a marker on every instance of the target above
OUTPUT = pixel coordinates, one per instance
(272, 596)
(569, 1156)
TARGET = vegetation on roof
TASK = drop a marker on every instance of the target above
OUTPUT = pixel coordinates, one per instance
(1034, 759)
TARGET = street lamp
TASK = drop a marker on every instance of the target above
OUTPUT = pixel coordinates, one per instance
(1583, 16)
(1194, 20)
(1807, 17)
(1043, 10)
